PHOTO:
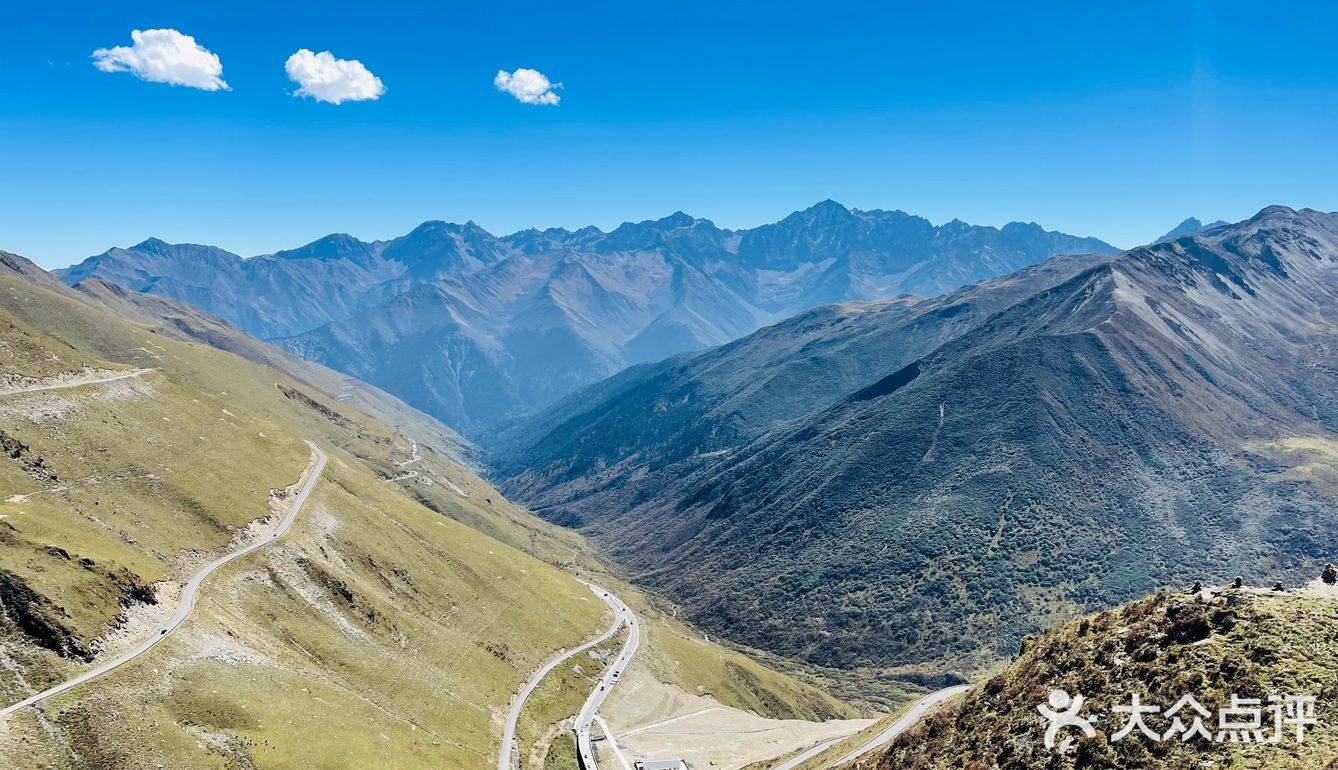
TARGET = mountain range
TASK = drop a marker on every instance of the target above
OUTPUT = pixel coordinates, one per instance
(476, 329)
(926, 481)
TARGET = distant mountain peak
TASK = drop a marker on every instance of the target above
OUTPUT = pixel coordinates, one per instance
(186, 252)
(431, 225)
(656, 233)
(330, 247)
(824, 211)
(827, 205)
(152, 244)
(1192, 225)
(1275, 209)
(676, 220)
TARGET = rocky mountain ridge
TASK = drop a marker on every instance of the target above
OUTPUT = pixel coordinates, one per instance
(477, 329)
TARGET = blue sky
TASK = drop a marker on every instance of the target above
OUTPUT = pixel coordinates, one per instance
(1111, 121)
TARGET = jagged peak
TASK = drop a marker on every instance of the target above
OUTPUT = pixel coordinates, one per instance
(826, 210)
(1191, 226)
(677, 219)
(151, 244)
(432, 225)
(827, 205)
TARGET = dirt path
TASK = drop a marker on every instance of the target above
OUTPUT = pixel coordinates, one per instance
(71, 382)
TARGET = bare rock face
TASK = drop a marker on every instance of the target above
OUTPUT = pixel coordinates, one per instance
(35, 465)
(38, 619)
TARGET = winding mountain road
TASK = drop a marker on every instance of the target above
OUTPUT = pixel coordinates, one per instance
(413, 456)
(188, 593)
(585, 753)
(913, 715)
(506, 759)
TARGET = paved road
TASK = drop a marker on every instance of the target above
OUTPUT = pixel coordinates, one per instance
(505, 758)
(188, 593)
(885, 737)
(76, 383)
(585, 754)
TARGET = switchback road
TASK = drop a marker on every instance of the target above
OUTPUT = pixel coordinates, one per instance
(188, 593)
(506, 759)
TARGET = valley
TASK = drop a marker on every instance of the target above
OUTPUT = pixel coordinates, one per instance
(914, 486)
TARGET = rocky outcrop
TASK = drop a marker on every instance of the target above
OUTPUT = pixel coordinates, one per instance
(38, 618)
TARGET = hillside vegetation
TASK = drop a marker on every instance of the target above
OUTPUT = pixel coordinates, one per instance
(1211, 645)
(636, 434)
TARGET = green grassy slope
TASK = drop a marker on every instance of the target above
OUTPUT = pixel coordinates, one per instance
(382, 608)
(678, 655)
(377, 634)
(151, 336)
(390, 627)
(181, 321)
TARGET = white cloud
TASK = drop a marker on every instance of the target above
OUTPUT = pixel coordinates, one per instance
(528, 86)
(164, 56)
(327, 79)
